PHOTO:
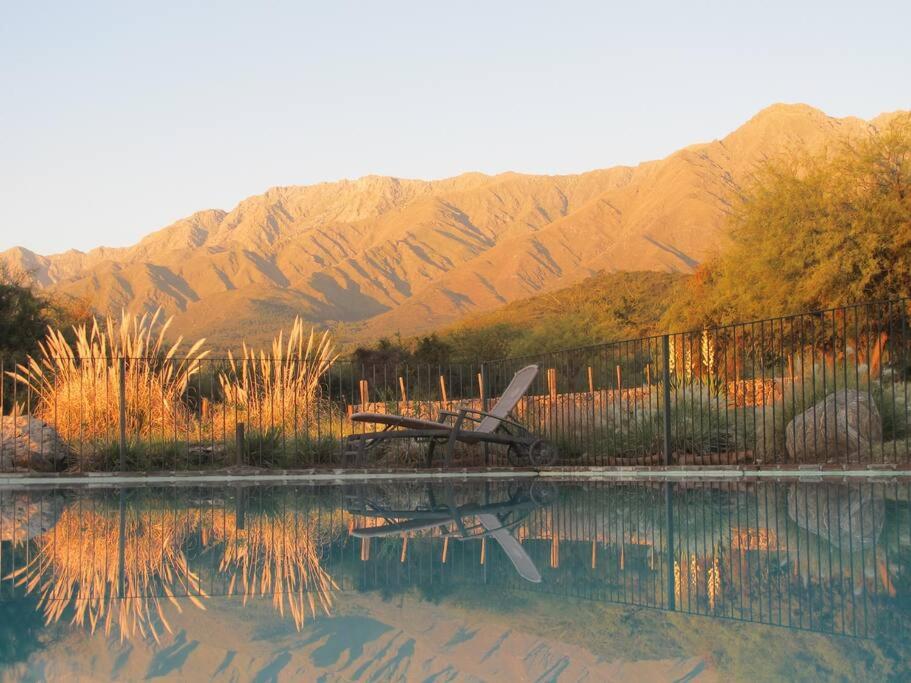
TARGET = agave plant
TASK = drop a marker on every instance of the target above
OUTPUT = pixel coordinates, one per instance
(281, 388)
(76, 387)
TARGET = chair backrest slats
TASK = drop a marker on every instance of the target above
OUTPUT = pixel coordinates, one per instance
(517, 388)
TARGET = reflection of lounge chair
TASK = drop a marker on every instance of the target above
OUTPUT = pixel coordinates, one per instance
(494, 427)
(495, 520)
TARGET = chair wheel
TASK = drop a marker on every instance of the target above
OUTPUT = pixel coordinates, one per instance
(516, 455)
(542, 492)
(541, 453)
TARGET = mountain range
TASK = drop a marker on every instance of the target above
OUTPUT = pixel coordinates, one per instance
(378, 255)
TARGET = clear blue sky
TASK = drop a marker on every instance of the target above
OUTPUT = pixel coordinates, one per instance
(120, 118)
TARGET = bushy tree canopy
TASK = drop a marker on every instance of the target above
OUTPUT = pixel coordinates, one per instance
(813, 231)
(23, 317)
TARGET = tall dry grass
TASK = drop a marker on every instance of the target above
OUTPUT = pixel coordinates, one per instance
(76, 387)
(279, 389)
(77, 564)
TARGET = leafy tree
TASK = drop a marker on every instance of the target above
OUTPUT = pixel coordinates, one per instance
(386, 353)
(483, 343)
(432, 351)
(24, 316)
(813, 231)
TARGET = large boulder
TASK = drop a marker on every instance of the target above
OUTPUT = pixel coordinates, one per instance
(29, 443)
(844, 426)
(27, 514)
(847, 516)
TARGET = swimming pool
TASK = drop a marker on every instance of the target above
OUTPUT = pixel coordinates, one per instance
(457, 580)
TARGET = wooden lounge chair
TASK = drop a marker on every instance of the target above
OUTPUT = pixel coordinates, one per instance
(452, 427)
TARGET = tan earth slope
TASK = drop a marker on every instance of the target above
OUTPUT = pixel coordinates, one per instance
(387, 254)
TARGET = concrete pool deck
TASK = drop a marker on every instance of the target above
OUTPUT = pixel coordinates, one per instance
(317, 476)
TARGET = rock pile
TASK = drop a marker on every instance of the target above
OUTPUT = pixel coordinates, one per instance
(30, 443)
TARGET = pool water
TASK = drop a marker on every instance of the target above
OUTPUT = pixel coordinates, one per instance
(451, 581)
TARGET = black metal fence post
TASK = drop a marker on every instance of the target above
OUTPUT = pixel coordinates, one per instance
(669, 541)
(666, 408)
(122, 401)
(240, 507)
(239, 439)
(483, 397)
(121, 546)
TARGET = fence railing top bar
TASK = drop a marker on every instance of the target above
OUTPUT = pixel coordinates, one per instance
(713, 329)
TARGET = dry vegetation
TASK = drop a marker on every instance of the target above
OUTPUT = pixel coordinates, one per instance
(76, 387)
(173, 395)
(279, 389)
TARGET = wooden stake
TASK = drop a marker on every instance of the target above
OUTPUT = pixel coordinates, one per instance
(481, 387)
(619, 379)
(404, 548)
(555, 551)
(483, 549)
(443, 389)
(552, 383)
(402, 387)
(878, 351)
(365, 549)
(648, 374)
(365, 393)
(591, 382)
(594, 554)
(885, 578)
(445, 548)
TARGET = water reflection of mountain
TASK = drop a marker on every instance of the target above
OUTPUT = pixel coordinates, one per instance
(130, 564)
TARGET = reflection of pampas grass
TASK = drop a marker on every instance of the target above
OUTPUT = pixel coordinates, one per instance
(280, 389)
(677, 581)
(694, 572)
(713, 580)
(277, 554)
(77, 387)
(77, 563)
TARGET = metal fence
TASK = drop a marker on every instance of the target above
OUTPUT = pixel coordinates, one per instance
(823, 387)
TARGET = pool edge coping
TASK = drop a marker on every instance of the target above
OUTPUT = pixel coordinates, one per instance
(12, 480)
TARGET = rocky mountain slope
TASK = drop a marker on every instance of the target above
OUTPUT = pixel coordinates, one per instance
(385, 254)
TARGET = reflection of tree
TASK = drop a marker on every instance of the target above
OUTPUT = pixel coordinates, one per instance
(277, 554)
(112, 569)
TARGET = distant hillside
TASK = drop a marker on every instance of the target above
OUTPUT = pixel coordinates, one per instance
(380, 255)
(604, 307)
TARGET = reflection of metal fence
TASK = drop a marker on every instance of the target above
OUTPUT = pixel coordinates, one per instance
(825, 558)
(824, 387)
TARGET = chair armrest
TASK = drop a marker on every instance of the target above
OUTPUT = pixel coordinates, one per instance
(463, 412)
(479, 415)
